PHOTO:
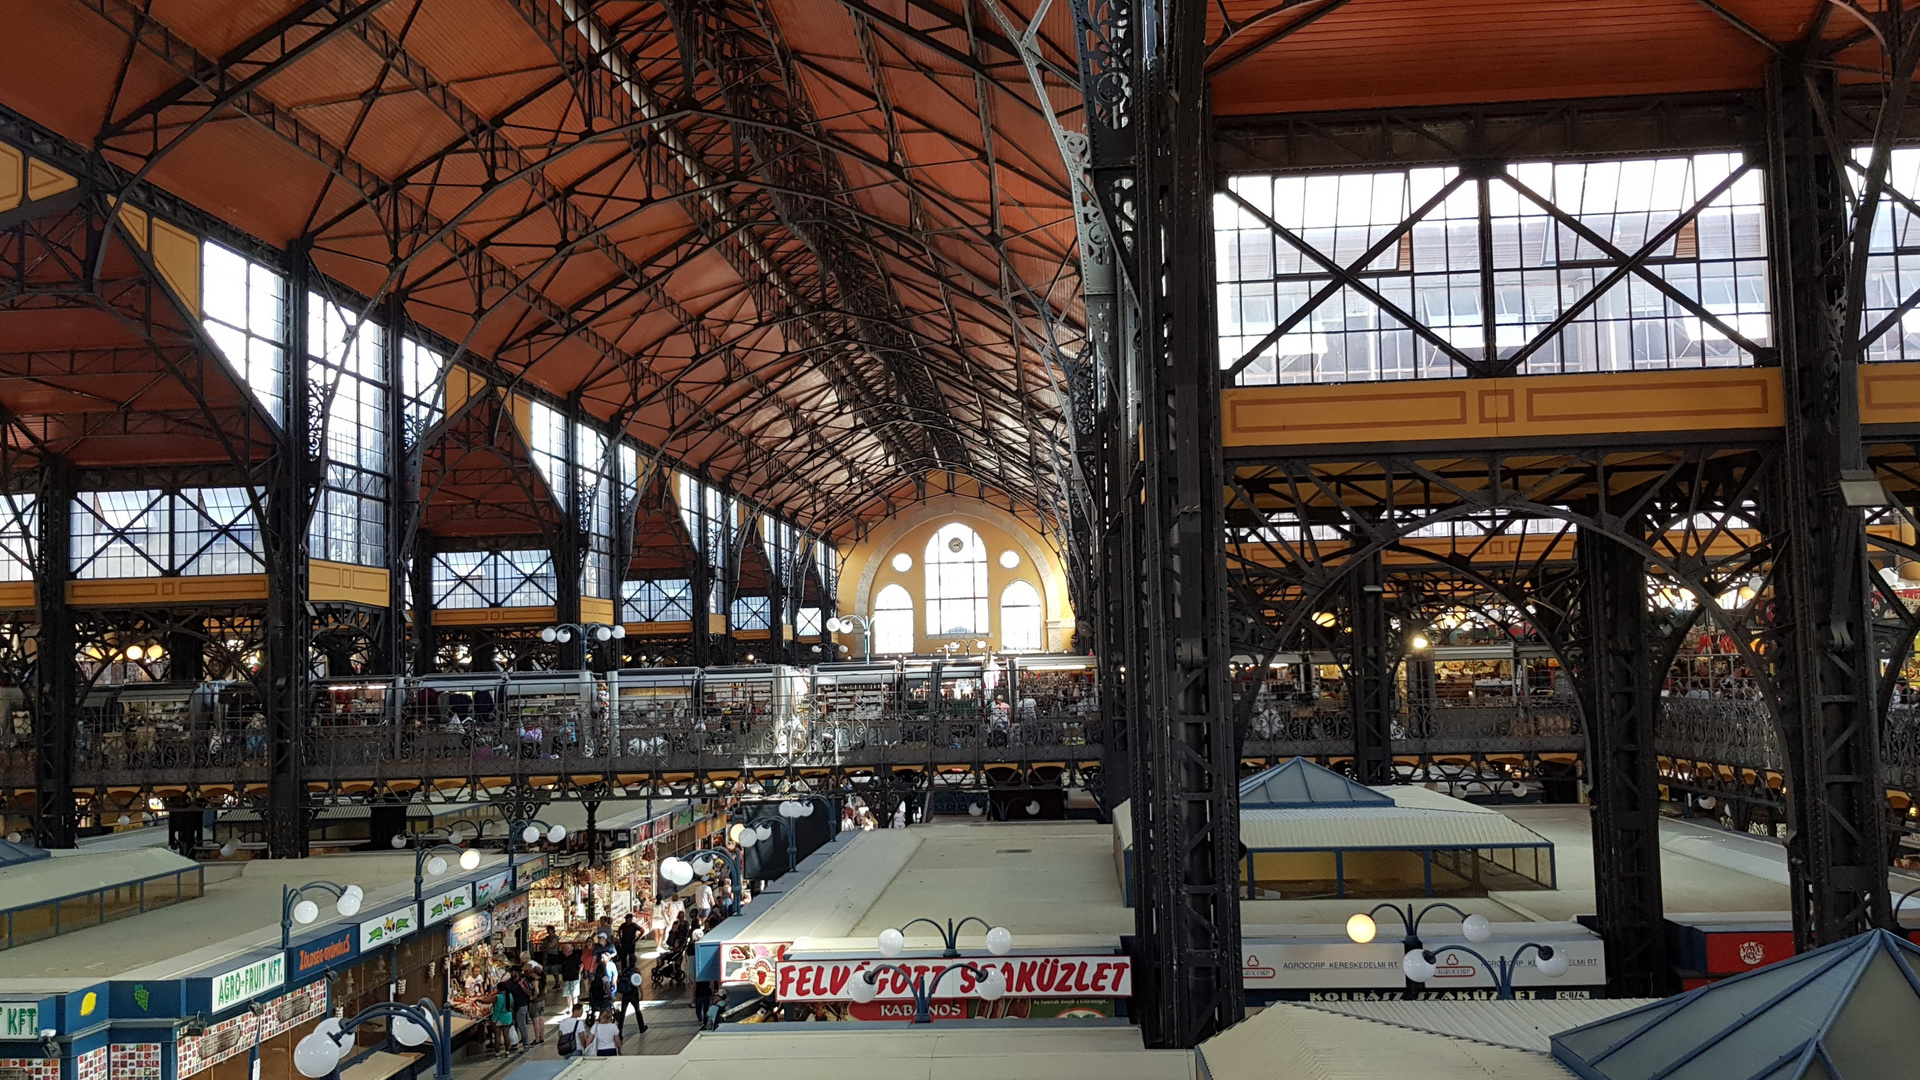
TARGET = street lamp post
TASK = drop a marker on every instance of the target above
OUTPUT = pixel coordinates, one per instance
(1420, 965)
(320, 1052)
(799, 806)
(682, 871)
(530, 831)
(427, 862)
(989, 983)
(893, 941)
(1361, 928)
(294, 909)
(844, 624)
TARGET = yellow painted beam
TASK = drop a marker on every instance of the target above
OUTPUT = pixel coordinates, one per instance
(675, 628)
(347, 583)
(1454, 410)
(16, 596)
(596, 610)
(503, 616)
(123, 592)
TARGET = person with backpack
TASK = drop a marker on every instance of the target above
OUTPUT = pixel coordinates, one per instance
(599, 992)
(574, 1033)
(630, 999)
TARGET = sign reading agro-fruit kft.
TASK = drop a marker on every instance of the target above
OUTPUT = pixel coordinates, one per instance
(19, 1020)
(256, 978)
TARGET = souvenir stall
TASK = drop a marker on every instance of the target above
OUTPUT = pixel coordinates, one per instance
(574, 894)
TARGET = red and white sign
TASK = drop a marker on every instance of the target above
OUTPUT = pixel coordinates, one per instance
(1027, 977)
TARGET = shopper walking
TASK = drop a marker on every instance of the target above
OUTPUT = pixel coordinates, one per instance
(570, 973)
(606, 1036)
(627, 942)
(703, 900)
(502, 1022)
(575, 1034)
(517, 994)
(630, 999)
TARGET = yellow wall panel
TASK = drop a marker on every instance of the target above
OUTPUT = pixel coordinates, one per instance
(16, 595)
(176, 252)
(118, 592)
(504, 616)
(462, 383)
(45, 181)
(1890, 393)
(1522, 406)
(596, 610)
(677, 628)
(347, 583)
(13, 187)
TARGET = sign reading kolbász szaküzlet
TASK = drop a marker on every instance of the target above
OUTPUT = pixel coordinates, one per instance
(1027, 977)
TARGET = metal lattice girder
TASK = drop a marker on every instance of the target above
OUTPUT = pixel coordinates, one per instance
(1619, 674)
(1824, 662)
(1371, 660)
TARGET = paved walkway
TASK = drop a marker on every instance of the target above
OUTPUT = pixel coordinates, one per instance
(671, 1025)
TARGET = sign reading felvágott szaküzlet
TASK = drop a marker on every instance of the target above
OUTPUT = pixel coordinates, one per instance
(256, 978)
(19, 1021)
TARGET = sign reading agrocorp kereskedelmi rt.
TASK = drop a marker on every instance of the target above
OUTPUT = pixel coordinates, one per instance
(253, 980)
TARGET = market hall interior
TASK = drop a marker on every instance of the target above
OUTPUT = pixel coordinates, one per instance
(1275, 539)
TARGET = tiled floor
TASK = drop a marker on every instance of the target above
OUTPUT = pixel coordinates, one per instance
(670, 1026)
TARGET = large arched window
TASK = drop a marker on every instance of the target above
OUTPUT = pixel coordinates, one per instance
(956, 582)
(893, 621)
(1020, 622)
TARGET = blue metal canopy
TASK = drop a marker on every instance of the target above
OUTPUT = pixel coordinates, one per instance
(1844, 1012)
(1297, 784)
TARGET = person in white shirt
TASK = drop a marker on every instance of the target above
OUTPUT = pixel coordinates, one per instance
(703, 900)
(606, 1036)
(575, 1026)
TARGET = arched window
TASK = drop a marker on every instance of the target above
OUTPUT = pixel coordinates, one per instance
(956, 582)
(1020, 622)
(893, 621)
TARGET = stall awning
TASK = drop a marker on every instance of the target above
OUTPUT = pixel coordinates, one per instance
(1298, 783)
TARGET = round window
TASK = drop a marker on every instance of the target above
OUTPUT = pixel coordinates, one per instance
(903, 562)
(1009, 558)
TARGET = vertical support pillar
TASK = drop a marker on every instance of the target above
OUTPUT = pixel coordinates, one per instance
(289, 631)
(700, 590)
(570, 546)
(1370, 671)
(1151, 157)
(390, 650)
(56, 702)
(1826, 670)
(186, 651)
(781, 562)
(426, 642)
(1617, 690)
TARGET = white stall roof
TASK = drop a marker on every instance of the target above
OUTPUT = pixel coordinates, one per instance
(1522, 1025)
(1021, 1050)
(1298, 1043)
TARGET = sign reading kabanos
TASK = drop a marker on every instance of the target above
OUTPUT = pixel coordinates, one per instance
(1027, 977)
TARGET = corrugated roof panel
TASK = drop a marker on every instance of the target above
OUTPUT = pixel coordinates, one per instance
(1326, 829)
(1523, 1025)
(1307, 1044)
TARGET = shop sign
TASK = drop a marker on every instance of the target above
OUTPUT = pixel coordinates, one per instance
(1281, 967)
(390, 927)
(949, 1009)
(756, 962)
(251, 981)
(469, 928)
(322, 954)
(19, 1020)
(1027, 977)
(492, 888)
(1288, 965)
(510, 912)
(448, 904)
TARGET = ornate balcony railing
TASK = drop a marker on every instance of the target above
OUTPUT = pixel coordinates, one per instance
(1720, 732)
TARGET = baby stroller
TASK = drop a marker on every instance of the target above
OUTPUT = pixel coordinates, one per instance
(670, 967)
